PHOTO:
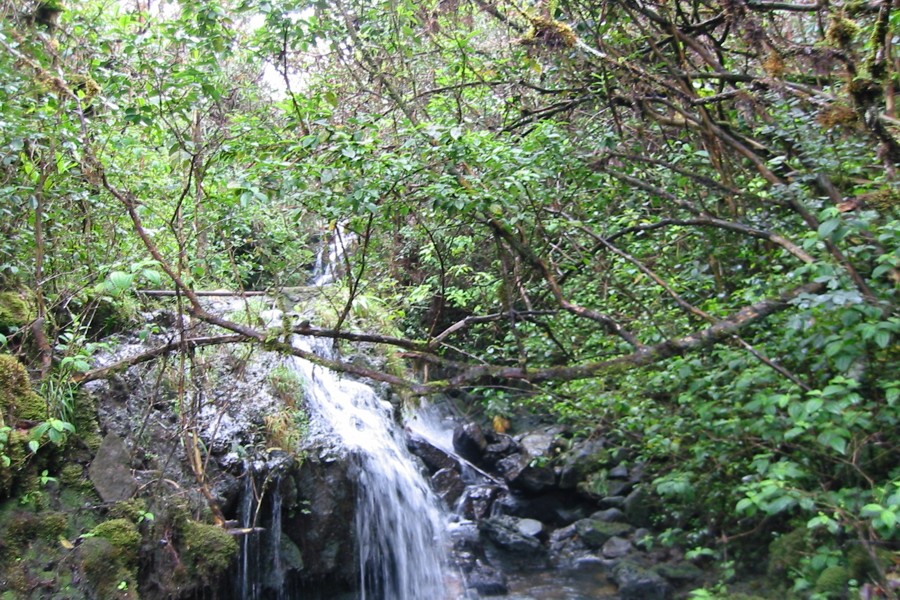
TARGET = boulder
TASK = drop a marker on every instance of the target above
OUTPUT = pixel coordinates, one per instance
(469, 442)
(110, 471)
(583, 458)
(610, 515)
(616, 547)
(637, 583)
(524, 475)
(478, 501)
(434, 458)
(510, 533)
(640, 507)
(594, 533)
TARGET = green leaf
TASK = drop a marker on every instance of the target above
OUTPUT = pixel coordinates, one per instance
(882, 338)
(828, 227)
(888, 518)
(34, 446)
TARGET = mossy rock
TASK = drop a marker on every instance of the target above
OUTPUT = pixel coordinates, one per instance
(209, 549)
(101, 564)
(124, 537)
(832, 582)
(860, 565)
(132, 509)
(15, 311)
(786, 552)
(53, 525)
(17, 399)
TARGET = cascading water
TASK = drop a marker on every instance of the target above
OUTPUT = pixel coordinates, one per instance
(400, 532)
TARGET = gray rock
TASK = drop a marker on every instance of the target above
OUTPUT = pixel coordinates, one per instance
(642, 538)
(584, 457)
(530, 527)
(110, 470)
(595, 533)
(610, 515)
(640, 507)
(612, 502)
(478, 501)
(616, 547)
(618, 472)
(520, 474)
(505, 532)
(637, 583)
(679, 573)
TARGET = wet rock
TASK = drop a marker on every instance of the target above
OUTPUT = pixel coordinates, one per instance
(595, 533)
(680, 573)
(448, 485)
(469, 442)
(541, 442)
(643, 538)
(601, 485)
(110, 471)
(612, 502)
(478, 501)
(610, 515)
(486, 580)
(499, 447)
(555, 507)
(616, 547)
(640, 507)
(505, 532)
(584, 457)
(637, 583)
(434, 458)
(618, 472)
(530, 527)
(520, 474)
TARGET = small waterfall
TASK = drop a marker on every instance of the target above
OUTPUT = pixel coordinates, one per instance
(400, 532)
(249, 573)
(330, 255)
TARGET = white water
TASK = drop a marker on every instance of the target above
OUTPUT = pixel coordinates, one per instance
(399, 529)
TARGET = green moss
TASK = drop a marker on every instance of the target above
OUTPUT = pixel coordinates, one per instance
(209, 549)
(101, 564)
(17, 399)
(15, 311)
(833, 582)
(124, 537)
(860, 565)
(72, 475)
(786, 552)
(129, 509)
(53, 525)
(84, 419)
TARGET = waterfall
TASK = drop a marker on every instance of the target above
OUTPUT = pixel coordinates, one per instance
(330, 255)
(399, 529)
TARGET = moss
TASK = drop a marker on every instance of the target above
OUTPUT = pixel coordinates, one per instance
(124, 537)
(833, 582)
(209, 549)
(860, 565)
(549, 32)
(17, 399)
(129, 509)
(786, 552)
(84, 419)
(101, 564)
(15, 311)
(72, 475)
(841, 32)
(53, 525)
